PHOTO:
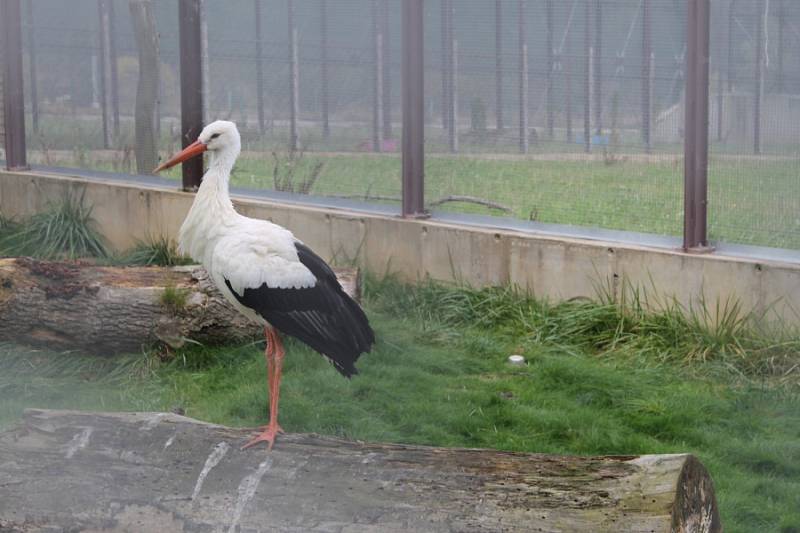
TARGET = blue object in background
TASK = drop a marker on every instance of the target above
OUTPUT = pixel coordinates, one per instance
(597, 140)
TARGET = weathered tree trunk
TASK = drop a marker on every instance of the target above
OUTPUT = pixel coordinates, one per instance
(118, 309)
(70, 471)
(144, 27)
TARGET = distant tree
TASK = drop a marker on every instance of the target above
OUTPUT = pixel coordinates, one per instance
(144, 28)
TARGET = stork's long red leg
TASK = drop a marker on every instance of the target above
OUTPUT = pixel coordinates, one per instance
(274, 355)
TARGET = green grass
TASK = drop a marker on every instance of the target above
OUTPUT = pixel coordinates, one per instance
(751, 201)
(65, 231)
(161, 250)
(68, 231)
(438, 375)
(40, 378)
(174, 299)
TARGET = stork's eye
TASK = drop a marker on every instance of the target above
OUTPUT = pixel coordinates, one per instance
(215, 136)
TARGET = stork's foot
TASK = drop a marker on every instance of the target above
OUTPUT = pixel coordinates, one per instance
(268, 435)
(264, 428)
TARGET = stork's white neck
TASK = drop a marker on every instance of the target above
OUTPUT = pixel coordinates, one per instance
(212, 210)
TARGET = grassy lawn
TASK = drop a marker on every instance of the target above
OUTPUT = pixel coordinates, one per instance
(750, 201)
(598, 381)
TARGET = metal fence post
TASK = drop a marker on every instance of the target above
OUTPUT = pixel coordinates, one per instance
(549, 75)
(259, 67)
(587, 77)
(568, 59)
(413, 109)
(13, 94)
(523, 77)
(729, 69)
(34, 88)
(452, 113)
(695, 237)
(647, 56)
(377, 79)
(114, 68)
(191, 71)
(323, 32)
(758, 93)
(450, 75)
(781, 24)
(721, 83)
(597, 67)
(387, 71)
(294, 80)
(445, 58)
(104, 42)
(205, 65)
(498, 59)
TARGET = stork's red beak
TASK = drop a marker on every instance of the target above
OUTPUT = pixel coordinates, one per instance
(194, 149)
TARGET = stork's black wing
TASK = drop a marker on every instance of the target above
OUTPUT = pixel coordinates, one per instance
(322, 316)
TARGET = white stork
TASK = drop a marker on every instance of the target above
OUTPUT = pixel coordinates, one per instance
(266, 273)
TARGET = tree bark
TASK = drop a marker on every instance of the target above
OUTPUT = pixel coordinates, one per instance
(110, 310)
(73, 471)
(144, 27)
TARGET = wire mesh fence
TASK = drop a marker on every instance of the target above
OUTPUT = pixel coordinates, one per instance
(565, 111)
(754, 185)
(309, 84)
(557, 111)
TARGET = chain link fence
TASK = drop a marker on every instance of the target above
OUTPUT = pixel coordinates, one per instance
(560, 111)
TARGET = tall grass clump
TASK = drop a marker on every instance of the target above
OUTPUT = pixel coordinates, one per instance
(65, 231)
(626, 324)
(155, 251)
(7, 225)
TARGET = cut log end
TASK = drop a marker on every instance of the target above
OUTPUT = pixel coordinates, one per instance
(177, 474)
(695, 506)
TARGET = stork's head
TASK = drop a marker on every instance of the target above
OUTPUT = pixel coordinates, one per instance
(218, 137)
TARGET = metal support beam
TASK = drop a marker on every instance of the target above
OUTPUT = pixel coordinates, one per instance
(13, 94)
(191, 62)
(695, 220)
(413, 109)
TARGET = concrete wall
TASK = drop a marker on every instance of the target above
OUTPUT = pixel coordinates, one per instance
(549, 266)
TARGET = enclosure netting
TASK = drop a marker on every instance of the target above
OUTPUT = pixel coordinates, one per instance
(563, 111)
(754, 171)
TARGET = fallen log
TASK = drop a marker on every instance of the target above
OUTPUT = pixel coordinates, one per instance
(107, 310)
(73, 471)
